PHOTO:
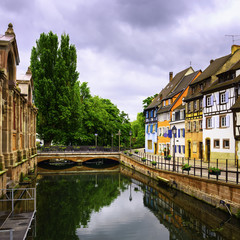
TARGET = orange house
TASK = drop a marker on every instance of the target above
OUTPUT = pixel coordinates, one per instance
(171, 101)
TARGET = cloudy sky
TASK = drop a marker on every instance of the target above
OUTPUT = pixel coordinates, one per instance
(126, 48)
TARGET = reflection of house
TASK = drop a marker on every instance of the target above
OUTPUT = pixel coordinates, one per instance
(171, 101)
(17, 114)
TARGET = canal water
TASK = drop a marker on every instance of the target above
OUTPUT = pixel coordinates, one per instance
(122, 204)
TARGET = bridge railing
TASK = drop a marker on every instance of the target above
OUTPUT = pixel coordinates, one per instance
(78, 149)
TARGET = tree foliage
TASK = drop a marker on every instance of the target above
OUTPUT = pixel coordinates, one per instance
(67, 112)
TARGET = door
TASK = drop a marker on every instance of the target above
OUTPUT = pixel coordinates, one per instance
(208, 145)
(200, 150)
(155, 148)
(189, 149)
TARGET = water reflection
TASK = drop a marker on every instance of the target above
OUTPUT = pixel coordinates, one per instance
(123, 206)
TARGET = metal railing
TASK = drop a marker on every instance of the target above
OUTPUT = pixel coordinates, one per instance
(228, 169)
(78, 149)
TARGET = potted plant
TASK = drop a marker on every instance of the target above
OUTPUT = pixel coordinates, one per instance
(168, 157)
(186, 167)
(143, 159)
(130, 154)
(154, 163)
(125, 152)
(214, 171)
(136, 151)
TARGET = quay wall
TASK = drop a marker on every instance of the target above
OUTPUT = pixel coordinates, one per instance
(207, 190)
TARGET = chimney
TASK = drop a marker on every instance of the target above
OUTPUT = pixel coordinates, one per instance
(170, 76)
(234, 48)
(211, 61)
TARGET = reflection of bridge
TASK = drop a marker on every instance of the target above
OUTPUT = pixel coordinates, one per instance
(78, 157)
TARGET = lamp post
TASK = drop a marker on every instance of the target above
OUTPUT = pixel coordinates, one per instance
(96, 140)
(174, 131)
(130, 134)
(119, 134)
(112, 141)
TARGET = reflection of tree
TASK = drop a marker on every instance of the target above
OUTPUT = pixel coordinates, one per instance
(66, 202)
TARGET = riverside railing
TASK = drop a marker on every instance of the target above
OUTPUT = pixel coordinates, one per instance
(226, 170)
(78, 149)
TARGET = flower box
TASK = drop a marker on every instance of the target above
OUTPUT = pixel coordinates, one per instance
(186, 167)
(154, 163)
(143, 159)
(167, 158)
(214, 171)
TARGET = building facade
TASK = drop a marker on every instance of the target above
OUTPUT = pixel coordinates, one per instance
(17, 114)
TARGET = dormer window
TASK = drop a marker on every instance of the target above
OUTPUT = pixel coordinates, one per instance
(201, 86)
(169, 101)
(193, 90)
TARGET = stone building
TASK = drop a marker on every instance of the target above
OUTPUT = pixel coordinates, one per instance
(17, 114)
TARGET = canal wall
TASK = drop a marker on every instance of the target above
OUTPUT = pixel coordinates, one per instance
(207, 190)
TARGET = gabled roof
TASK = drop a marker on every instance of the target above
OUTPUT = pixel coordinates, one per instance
(183, 84)
(216, 86)
(214, 66)
(168, 89)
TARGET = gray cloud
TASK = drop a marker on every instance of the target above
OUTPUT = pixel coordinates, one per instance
(126, 48)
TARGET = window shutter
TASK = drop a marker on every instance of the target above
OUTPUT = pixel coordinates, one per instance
(204, 123)
(170, 133)
(204, 101)
(227, 121)
(151, 113)
(147, 129)
(147, 114)
(197, 126)
(217, 97)
(217, 121)
(226, 96)
(197, 105)
(179, 133)
(179, 148)
(175, 148)
(151, 129)
(183, 149)
(213, 122)
(156, 127)
(173, 117)
(212, 100)
(191, 106)
(184, 132)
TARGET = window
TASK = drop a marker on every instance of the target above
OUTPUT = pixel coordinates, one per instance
(164, 103)
(160, 131)
(208, 101)
(149, 144)
(216, 143)
(194, 126)
(226, 143)
(223, 121)
(154, 113)
(200, 125)
(209, 122)
(222, 98)
(201, 86)
(169, 101)
(189, 106)
(189, 126)
(154, 128)
(148, 128)
(194, 147)
(195, 105)
(200, 103)
(193, 89)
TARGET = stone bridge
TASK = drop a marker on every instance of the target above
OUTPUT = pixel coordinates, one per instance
(78, 157)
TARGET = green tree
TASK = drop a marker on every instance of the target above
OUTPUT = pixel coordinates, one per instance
(56, 91)
(148, 100)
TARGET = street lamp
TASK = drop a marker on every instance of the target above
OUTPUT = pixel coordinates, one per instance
(174, 131)
(96, 140)
(112, 142)
(119, 134)
(130, 134)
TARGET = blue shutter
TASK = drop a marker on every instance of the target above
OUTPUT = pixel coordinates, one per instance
(217, 121)
(184, 132)
(179, 147)
(151, 128)
(147, 129)
(170, 133)
(227, 121)
(179, 133)
(151, 113)
(156, 128)
(217, 97)
(204, 101)
(183, 149)
(147, 114)
(211, 100)
(226, 96)
(175, 148)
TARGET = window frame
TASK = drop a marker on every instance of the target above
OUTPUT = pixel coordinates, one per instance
(220, 121)
(207, 123)
(214, 143)
(222, 97)
(208, 101)
(224, 143)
